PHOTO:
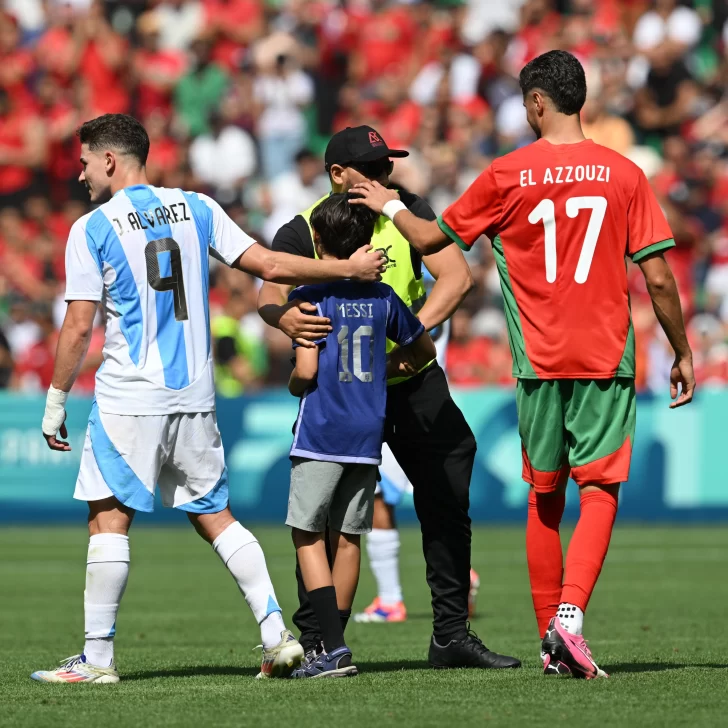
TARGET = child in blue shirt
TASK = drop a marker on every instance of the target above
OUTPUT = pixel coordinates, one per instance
(337, 442)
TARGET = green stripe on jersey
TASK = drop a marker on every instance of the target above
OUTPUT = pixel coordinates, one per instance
(522, 368)
(626, 366)
(452, 234)
(654, 248)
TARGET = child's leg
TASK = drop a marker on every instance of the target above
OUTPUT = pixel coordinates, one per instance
(346, 551)
(311, 552)
(313, 485)
(350, 515)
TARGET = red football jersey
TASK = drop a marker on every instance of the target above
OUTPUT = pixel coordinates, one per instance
(561, 219)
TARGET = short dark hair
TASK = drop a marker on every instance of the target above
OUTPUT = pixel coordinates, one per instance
(342, 227)
(120, 132)
(560, 76)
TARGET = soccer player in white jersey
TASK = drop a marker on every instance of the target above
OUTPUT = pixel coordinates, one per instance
(144, 256)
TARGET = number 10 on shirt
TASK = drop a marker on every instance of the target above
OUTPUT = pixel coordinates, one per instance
(545, 212)
(342, 337)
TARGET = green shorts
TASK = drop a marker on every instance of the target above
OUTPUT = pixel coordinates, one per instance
(578, 427)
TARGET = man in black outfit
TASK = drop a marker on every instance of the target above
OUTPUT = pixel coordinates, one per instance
(425, 430)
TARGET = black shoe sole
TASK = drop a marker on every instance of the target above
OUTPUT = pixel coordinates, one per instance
(559, 653)
(475, 667)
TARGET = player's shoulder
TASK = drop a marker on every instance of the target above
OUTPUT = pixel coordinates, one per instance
(82, 222)
(618, 168)
(600, 152)
(514, 157)
(93, 224)
(194, 194)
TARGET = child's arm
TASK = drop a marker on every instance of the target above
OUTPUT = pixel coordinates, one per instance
(406, 361)
(305, 371)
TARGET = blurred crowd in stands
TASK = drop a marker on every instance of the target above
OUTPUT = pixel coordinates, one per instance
(240, 97)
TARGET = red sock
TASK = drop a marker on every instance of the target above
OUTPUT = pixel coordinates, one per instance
(545, 558)
(588, 547)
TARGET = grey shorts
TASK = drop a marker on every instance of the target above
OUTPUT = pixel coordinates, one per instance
(340, 494)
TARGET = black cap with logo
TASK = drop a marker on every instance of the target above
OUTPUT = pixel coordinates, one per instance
(358, 144)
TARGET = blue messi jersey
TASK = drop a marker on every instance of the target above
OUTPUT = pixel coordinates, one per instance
(341, 416)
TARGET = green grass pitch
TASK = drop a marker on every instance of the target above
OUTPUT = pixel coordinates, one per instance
(658, 623)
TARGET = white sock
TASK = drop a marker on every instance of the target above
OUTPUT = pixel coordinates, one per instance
(571, 618)
(383, 550)
(243, 556)
(107, 572)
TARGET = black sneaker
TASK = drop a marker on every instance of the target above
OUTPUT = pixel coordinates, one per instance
(468, 652)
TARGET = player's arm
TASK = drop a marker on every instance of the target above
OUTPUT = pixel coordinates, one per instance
(365, 265)
(73, 343)
(297, 319)
(663, 291)
(424, 236)
(649, 236)
(240, 251)
(475, 213)
(84, 289)
(305, 372)
(453, 282)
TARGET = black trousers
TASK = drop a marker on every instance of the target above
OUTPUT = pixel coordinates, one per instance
(435, 447)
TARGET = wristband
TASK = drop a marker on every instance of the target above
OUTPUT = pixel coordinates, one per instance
(55, 411)
(392, 207)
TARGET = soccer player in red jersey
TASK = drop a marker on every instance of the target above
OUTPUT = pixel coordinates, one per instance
(562, 214)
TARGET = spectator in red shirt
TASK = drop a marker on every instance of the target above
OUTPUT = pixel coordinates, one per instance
(23, 150)
(354, 110)
(156, 71)
(16, 63)
(61, 121)
(34, 366)
(165, 154)
(399, 117)
(467, 355)
(85, 45)
(59, 49)
(540, 24)
(236, 23)
(19, 260)
(385, 42)
(103, 62)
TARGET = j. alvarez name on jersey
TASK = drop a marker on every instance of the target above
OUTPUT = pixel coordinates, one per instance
(159, 216)
(568, 173)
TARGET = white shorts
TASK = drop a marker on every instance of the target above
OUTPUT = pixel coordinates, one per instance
(394, 483)
(126, 456)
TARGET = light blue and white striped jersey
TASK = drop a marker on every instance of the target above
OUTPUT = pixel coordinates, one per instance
(145, 255)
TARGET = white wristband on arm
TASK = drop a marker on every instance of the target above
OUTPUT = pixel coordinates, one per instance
(392, 207)
(55, 411)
